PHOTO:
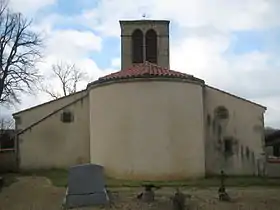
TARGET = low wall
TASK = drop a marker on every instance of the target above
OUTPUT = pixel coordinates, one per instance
(273, 168)
(8, 161)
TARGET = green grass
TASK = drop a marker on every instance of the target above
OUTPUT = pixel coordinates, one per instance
(59, 179)
(202, 183)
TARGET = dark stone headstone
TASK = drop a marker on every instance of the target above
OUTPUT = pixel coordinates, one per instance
(1, 183)
(223, 195)
(86, 186)
(179, 200)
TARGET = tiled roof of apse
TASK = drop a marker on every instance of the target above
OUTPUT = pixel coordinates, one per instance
(145, 70)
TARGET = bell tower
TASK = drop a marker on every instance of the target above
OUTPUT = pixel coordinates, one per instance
(144, 40)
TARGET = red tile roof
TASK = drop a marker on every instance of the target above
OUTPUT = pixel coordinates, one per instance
(145, 70)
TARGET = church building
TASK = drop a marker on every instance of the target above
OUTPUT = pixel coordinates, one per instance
(145, 122)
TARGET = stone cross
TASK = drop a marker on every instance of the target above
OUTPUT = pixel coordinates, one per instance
(223, 195)
(179, 200)
(148, 195)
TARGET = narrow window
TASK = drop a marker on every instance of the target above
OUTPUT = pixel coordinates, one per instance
(137, 46)
(247, 153)
(208, 119)
(151, 46)
(228, 146)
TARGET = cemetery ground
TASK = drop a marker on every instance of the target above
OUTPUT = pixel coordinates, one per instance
(45, 190)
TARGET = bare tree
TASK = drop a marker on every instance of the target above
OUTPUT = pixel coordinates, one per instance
(68, 75)
(19, 52)
(3, 6)
(6, 123)
(6, 132)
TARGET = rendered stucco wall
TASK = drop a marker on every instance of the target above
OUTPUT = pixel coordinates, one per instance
(245, 125)
(54, 144)
(30, 116)
(149, 130)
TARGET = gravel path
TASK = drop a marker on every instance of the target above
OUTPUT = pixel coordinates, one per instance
(37, 193)
(31, 193)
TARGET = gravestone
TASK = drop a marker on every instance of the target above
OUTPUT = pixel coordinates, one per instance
(179, 200)
(1, 183)
(86, 186)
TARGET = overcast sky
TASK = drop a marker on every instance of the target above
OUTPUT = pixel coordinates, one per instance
(232, 45)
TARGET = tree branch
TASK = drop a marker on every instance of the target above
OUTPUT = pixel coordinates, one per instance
(68, 76)
(20, 49)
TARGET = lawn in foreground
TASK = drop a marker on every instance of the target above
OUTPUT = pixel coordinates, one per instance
(36, 192)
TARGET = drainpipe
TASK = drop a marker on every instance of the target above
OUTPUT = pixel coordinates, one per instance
(264, 154)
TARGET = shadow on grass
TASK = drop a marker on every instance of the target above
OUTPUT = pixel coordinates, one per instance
(58, 178)
(9, 179)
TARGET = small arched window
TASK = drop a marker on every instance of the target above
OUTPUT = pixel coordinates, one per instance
(137, 46)
(151, 46)
(221, 113)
